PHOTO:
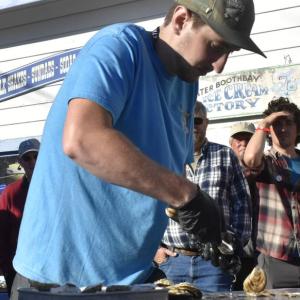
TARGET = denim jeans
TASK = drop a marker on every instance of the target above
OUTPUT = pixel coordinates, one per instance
(156, 274)
(196, 270)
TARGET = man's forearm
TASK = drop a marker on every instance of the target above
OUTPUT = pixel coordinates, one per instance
(110, 156)
(255, 149)
(91, 141)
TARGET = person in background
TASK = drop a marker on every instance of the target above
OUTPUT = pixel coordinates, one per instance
(278, 183)
(240, 134)
(12, 202)
(217, 171)
(115, 144)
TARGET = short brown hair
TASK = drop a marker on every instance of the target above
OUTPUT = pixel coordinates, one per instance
(197, 21)
(284, 104)
(200, 107)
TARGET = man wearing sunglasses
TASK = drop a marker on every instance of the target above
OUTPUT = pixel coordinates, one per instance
(12, 203)
(216, 170)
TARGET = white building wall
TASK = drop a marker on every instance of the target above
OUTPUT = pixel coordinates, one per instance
(276, 31)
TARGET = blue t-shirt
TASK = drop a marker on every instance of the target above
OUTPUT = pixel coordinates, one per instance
(294, 168)
(76, 227)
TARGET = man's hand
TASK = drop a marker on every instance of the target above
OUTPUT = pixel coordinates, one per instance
(229, 263)
(270, 119)
(162, 254)
(201, 217)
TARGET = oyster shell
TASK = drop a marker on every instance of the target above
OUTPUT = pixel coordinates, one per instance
(255, 282)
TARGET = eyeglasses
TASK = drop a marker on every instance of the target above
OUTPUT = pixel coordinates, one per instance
(198, 121)
(29, 157)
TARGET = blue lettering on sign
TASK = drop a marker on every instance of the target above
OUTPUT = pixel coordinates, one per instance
(36, 75)
(232, 105)
(285, 83)
(243, 91)
(236, 96)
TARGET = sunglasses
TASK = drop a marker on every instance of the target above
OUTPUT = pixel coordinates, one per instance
(198, 121)
(28, 157)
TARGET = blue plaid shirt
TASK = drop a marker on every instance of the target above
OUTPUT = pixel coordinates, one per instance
(218, 173)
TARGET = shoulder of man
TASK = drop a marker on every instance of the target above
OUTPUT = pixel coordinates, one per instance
(11, 189)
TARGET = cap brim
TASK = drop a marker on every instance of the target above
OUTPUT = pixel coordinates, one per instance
(29, 150)
(235, 38)
(241, 131)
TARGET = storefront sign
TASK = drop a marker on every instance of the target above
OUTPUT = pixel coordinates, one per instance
(248, 93)
(36, 75)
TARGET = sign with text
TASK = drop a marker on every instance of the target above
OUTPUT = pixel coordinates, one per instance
(248, 93)
(36, 75)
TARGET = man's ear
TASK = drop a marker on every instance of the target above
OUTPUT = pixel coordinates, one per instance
(181, 16)
(20, 164)
(206, 121)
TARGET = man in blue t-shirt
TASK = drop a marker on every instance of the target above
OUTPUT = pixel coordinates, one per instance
(114, 148)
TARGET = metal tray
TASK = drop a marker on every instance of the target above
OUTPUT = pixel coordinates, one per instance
(32, 294)
(276, 294)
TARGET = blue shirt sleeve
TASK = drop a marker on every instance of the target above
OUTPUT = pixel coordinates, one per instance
(103, 73)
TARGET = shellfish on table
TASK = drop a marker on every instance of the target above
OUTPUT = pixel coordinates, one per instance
(255, 282)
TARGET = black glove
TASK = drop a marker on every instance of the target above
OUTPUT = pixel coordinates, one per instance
(228, 263)
(201, 217)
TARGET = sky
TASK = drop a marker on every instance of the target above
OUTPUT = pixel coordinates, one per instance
(10, 3)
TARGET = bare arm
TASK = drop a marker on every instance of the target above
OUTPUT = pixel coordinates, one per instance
(255, 149)
(91, 141)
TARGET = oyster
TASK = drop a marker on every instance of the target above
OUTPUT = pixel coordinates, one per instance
(185, 288)
(255, 282)
(164, 282)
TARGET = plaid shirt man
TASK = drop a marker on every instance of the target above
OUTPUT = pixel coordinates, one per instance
(218, 173)
(278, 224)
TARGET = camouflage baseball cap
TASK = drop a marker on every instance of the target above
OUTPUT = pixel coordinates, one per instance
(232, 19)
